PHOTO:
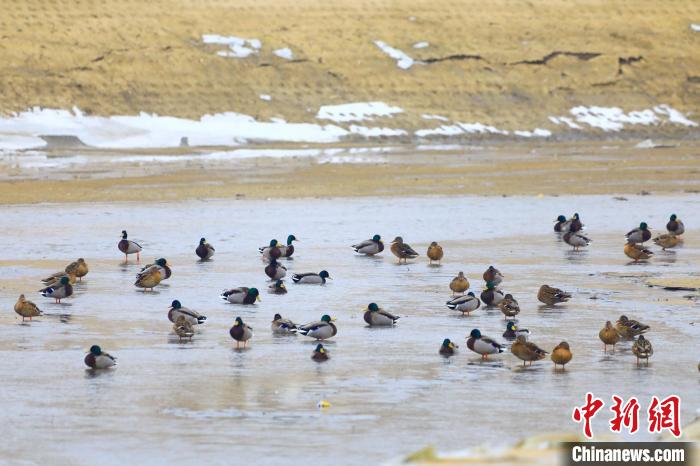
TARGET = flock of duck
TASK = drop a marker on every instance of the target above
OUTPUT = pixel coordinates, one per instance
(60, 285)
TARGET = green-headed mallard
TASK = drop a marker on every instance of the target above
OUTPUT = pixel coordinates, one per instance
(275, 270)
(447, 348)
(491, 296)
(639, 235)
(402, 250)
(435, 252)
(559, 224)
(97, 359)
(576, 240)
(483, 345)
(370, 247)
(321, 330)
(288, 250)
(642, 349)
(629, 328)
(675, 226)
(241, 295)
(178, 310)
(667, 241)
(182, 328)
(509, 306)
(551, 296)
(58, 291)
(637, 252)
(204, 251)
(609, 336)
(311, 278)
(278, 287)
(459, 284)
(78, 268)
(126, 246)
(561, 355)
(282, 326)
(163, 265)
(465, 303)
(526, 350)
(493, 275)
(320, 354)
(148, 278)
(376, 316)
(575, 224)
(26, 308)
(272, 251)
(512, 331)
(241, 332)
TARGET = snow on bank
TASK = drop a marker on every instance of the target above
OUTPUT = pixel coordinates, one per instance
(421, 45)
(615, 119)
(359, 111)
(403, 61)
(238, 47)
(285, 53)
(695, 27)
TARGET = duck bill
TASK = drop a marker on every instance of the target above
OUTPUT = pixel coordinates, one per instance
(333, 319)
(257, 298)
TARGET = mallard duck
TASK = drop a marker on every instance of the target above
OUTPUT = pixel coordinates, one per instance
(182, 328)
(551, 296)
(288, 250)
(483, 345)
(58, 291)
(78, 269)
(96, 359)
(163, 265)
(561, 355)
(177, 310)
(370, 247)
(509, 306)
(447, 348)
(609, 336)
(283, 326)
(628, 328)
(575, 224)
(272, 251)
(576, 239)
(639, 235)
(637, 252)
(526, 350)
(435, 252)
(275, 270)
(26, 308)
(493, 275)
(667, 241)
(278, 287)
(459, 284)
(56, 278)
(204, 251)
(465, 303)
(402, 250)
(321, 330)
(375, 316)
(491, 296)
(311, 278)
(675, 226)
(148, 278)
(241, 332)
(241, 295)
(320, 354)
(642, 349)
(559, 224)
(512, 331)
(126, 246)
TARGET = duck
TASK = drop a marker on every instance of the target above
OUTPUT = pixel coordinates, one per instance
(58, 291)
(642, 349)
(639, 235)
(275, 270)
(278, 287)
(282, 326)
(465, 303)
(241, 295)
(183, 328)
(311, 278)
(26, 308)
(56, 278)
(126, 246)
(561, 355)
(493, 275)
(559, 224)
(491, 296)
(97, 359)
(576, 239)
(551, 296)
(483, 345)
(402, 250)
(459, 284)
(509, 306)
(76, 269)
(435, 252)
(204, 251)
(320, 330)
(149, 277)
(447, 348)
(241, 332)
(609, 336)
(512, 331)
(163, 265)
(575, 224)
(320, 354)
(637, 252)
(177, 310)
(369, 247)
(629, 328)
(675, 226)
(375, 316)
(526, 350)
(666, 241)
(288, 250)
(271, 252)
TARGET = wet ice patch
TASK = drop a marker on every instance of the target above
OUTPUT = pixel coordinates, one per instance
(359, 111)
(238, 46)
(403, 61)
(285, 53)
(375, 132)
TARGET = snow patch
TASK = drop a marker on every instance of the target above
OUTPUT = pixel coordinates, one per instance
(359, 111)
(403, 61)
(421, 45)
(265, 97)
(674, 116)
(564, 120)
(695, 27)
(285, 53)
(615, 119)
(536, 133)
(376, 131)
(238, 47)
(434, 117)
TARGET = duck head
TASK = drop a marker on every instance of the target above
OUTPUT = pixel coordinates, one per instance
(291, 238)
(398, 239)
(373, 307)
(326, 318)
(673, 217)
(277, 317)
(96, 350)
(254, 292)
(64, 280)
(124, 235)
(511, 326)
(238, 322)
(476, 333)
(448, 344)
(561, 219)
(176, 304)
(324, 274)
(643, 226)
(320, 348)
(376, 238)
(202, 241)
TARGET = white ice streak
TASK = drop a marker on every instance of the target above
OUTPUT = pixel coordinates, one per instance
(535, 133)
(265, 97)
(421, 45)
(285, 53)
(403, 61)
(695, 27)
(238, 47)
(375, 132)
(426, 116)
(615, 119)
(358, 111)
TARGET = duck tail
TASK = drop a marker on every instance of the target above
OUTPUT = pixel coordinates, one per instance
(201, 319)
